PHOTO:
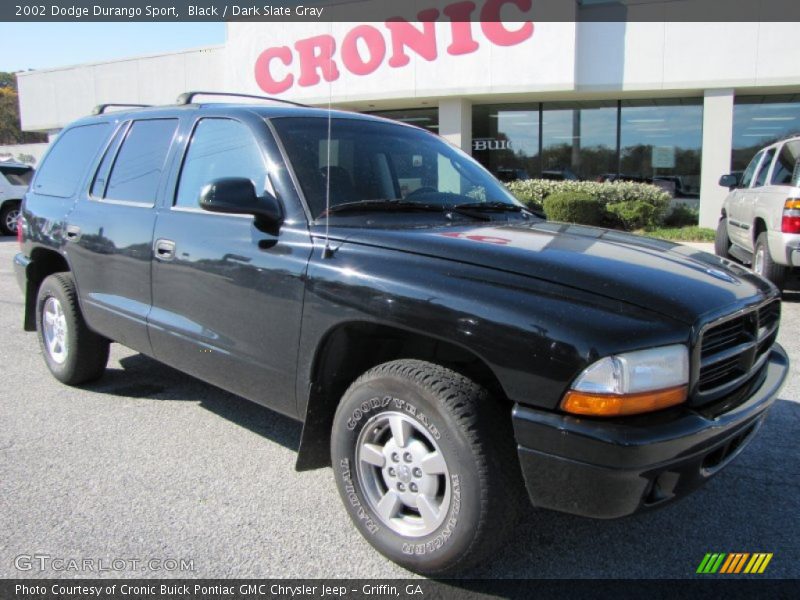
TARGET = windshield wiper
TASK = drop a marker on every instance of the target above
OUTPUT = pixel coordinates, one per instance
(490, 206)
(382, 205)
(497, 207)
(402, 206)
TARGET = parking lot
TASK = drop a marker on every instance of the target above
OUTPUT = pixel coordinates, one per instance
(148, 463)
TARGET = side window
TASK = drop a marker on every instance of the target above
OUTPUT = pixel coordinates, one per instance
(761, 178)
(68, 159)
(137, 167)
(219, 148)
(747, 177)
(98, 188)
(787, 165)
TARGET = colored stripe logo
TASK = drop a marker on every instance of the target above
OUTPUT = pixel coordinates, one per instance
(733, 563)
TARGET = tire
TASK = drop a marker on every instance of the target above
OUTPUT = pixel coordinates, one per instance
(73, 353)
(765, 266)
(8, 217)
(722, 243)
(470, 500)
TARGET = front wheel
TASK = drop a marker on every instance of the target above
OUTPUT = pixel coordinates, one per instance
(73, 352)
(426, 466)
(765, 266)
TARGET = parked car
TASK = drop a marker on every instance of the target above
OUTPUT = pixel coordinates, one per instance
(14, 180)
(760, 220)
(447, 351)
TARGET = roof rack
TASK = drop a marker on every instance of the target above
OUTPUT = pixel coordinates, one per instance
(186, 97)
(101, 108)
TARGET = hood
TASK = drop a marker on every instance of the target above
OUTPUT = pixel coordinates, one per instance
(677, 281)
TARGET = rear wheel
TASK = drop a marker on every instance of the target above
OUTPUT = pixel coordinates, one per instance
(722, 243)
(426, 465)
(73, 353)
(9, 215)
(765, 266)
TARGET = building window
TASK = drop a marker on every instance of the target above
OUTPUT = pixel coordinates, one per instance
(654, 141)
(427, 118)
(505, 139)
(759, 121)
(579, 140)
(661, 142)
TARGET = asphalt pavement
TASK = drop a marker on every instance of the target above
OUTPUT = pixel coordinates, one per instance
(148, 463)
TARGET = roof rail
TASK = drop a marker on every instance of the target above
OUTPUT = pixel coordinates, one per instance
(186, 97)
(101, 108)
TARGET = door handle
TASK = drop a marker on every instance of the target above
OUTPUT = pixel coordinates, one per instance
(73, 233)
(164, 249)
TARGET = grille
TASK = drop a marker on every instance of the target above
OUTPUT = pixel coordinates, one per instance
(734, 349)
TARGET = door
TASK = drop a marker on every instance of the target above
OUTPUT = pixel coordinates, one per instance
(751, 196)
(227, 296)
(110, 231)
(738, 227)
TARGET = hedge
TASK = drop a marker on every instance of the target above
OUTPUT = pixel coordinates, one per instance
(574, 207)
(622, 204)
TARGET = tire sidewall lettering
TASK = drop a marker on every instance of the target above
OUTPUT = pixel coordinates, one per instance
(347, 473)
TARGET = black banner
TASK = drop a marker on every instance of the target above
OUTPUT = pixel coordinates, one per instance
(405, 589)
(381, 10)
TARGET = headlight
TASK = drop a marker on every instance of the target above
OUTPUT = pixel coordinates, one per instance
(631, 383)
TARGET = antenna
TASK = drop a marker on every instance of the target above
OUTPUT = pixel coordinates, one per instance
(327, 251)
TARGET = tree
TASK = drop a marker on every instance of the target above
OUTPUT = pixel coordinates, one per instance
(10, 129)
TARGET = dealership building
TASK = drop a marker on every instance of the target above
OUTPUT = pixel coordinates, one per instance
(679, 103)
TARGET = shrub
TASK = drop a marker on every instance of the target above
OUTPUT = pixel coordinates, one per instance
(682, 216)
(634, 215)
(572, 207)
(630, 196)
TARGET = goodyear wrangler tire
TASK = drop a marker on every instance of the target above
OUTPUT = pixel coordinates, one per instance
(426, 465)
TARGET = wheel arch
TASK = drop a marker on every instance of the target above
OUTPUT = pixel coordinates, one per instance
(350, 349)
(759, 227)
(44, 262)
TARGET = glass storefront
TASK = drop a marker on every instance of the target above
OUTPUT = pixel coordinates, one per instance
(427, 118)
(579, 140)
(657, 141)
(759, 121)
(506, 139)
(661, 141)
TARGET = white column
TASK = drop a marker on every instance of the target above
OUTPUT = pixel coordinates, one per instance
(717, 148)
(455, 122)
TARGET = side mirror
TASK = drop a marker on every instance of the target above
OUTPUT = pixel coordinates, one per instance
(730, 181)
(237, 196)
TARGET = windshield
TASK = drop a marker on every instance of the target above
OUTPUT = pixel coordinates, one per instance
(373, 162)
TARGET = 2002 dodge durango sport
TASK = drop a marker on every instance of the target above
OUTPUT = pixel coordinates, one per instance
(446, 349)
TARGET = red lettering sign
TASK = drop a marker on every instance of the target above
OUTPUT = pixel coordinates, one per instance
(364, 48)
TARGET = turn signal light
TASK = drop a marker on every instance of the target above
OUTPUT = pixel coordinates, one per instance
(790, 223)
(619, 405)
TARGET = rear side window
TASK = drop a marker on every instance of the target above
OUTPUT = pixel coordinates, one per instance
(219, 148)
(787, 166)
(67, 161)
(137, 168)
(17, 175)
(761, 178)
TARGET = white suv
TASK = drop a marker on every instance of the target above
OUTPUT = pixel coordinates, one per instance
(14, 180)
(760, 222)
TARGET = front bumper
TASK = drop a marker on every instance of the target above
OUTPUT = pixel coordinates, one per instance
(609, 469)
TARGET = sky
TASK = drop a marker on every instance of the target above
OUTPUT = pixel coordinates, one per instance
(26, 46)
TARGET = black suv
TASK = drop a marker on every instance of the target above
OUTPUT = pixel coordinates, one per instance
(446, 350)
